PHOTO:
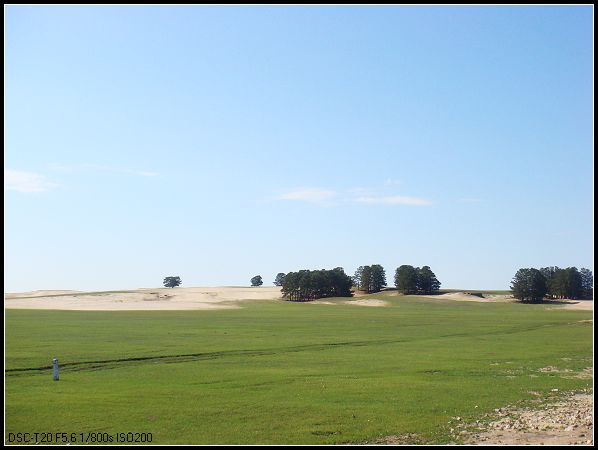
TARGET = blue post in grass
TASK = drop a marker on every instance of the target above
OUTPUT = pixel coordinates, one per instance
(55, 367)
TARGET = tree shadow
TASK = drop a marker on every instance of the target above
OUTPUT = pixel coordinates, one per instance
(561, 302)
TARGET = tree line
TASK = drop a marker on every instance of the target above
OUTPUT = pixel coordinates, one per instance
(306, 285)
(530, 285)
(408, 279)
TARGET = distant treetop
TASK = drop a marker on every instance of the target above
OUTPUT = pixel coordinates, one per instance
(172, 282)
(279, 279)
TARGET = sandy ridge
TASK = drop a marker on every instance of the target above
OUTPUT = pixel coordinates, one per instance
(205, 298)
(586, 305)
(146, 299)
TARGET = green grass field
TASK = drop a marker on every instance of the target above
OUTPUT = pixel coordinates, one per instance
(286, 373)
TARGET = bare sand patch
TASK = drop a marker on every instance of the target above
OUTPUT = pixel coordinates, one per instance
(464, 297)
(399, 439)
(358, 293)
(564, 420)
(39, 293)
(584, 374)
(367, 302)
(584, 305)
(362, 302)
(203, 298)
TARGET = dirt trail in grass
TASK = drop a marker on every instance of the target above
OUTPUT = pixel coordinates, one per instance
(563, 420)
(106, 364)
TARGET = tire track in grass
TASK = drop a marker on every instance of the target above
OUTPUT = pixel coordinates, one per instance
(78, 366)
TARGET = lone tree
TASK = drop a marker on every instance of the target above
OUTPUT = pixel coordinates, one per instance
(172, 282)
(279, 279)
(257, 281)
(529, 286)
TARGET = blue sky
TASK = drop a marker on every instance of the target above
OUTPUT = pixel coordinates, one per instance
(217, 143)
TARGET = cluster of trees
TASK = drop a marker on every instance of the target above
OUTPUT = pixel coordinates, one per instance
(257, 280)
(370, 278)
(569, 282)
(532, 285)
(415, 280)
(308, 285)
(408, 280)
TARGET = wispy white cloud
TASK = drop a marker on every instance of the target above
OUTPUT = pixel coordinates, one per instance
(313, 195)
(102, 168)
(394, 200)
(355, 195)
(21, 181)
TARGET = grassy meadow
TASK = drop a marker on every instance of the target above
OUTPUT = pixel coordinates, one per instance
(276, 372)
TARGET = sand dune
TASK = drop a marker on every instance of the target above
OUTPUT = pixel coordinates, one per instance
(143, 299)
(39, 293)
(205, 298)
(586, 305)
(464, 297)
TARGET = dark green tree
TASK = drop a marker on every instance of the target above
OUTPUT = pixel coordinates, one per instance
(257, 281)
(279, 279)
(378, 278)
(550, 275)
(307, 285)
(406, 279)
(290, 286)
(341, 283)
(529, 286)
(366, 278)
(573, 283)
(427, 283)
(587, 283)
(557, 286)
(172, 282)
(357, 277)
(566, 283)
